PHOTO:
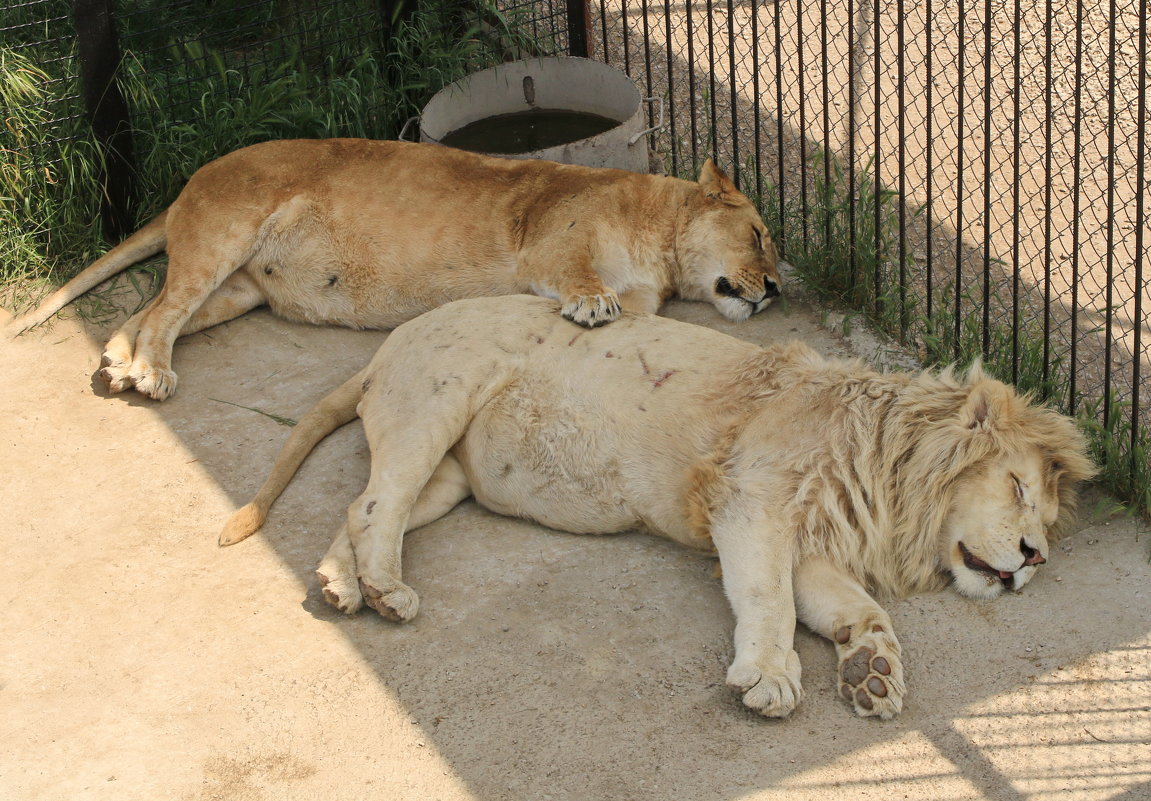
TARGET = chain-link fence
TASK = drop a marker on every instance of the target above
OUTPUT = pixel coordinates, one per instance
(973, 174)
(984, 164)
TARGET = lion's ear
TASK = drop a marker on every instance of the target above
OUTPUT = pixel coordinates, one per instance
(716, 184)
(988, 405)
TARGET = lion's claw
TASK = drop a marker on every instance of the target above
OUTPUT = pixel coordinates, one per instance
(592, 311)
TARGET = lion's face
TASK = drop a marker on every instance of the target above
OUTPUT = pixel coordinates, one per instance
(995, 536)
(726, 254)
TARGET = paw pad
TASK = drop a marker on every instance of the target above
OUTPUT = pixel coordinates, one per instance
(870, 677)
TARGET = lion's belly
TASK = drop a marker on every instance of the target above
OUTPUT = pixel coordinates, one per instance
(532, 455)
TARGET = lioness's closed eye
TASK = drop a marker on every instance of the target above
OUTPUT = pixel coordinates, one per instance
(814, 480)
(369, 234)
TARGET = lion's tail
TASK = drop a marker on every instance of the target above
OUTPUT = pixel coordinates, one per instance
(148, 241)
(335, 410)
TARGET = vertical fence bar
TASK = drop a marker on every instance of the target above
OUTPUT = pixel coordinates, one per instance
(671, 104)
(1140, 220)
(603, 32)
(735, 167)
(825, 200)
(579, 22)
(1109, 259)
(1017, 88)
(876, 159)
(960, 103)
(756, 121)
(647, 62)
(929, 115)
(900, 47)
(1049, 175)
(779, 123)
(691, 85)
(626, 36)
(98, 51)
(852, 45)
(1077, 124)
(713, 122)
(800, 71)
(987, 45)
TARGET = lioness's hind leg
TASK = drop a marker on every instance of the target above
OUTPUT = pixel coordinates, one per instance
(238, 294)
(117, 358)
(870, 669)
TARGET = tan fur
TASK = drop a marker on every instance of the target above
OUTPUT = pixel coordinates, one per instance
(370, 234)
(815, 480)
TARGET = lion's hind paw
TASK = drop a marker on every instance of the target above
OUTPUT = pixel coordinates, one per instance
(339, 592)
(591, 311)
(398, 604)
(870, 671)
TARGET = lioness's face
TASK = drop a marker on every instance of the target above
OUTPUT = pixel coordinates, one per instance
(996, 533)
(726, 255)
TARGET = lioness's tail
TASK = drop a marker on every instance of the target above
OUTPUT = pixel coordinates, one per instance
(148, 241)
(333, 411)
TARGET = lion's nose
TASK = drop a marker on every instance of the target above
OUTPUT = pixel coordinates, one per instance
(770, 288)
(1030, 555)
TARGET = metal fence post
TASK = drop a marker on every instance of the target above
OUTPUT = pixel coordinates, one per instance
(98, 50)
(579, 21)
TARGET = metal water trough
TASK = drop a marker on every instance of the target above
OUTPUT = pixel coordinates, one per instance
(567, 84)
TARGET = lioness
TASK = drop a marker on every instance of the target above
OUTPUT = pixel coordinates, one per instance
(369, 234)
(812, 479)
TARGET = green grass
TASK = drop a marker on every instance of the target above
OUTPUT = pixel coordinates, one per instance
(190, 103)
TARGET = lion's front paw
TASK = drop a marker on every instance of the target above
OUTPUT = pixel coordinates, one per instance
(772, 693)
(592, 310)
(870, 670)
(398, 604)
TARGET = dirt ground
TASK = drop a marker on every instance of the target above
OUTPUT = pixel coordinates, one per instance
(138, 660)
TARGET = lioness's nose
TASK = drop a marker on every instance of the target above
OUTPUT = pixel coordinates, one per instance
(771, 289)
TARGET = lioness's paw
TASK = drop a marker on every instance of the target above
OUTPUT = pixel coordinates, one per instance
(116, 377)
(592, 310)
(156, 383)
(773, 694)
(398, 604)
(341, 593)
(870, 670)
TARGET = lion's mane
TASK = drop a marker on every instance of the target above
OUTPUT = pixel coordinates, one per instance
(873, 482)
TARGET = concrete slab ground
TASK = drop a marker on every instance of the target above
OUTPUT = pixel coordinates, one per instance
(138, 660)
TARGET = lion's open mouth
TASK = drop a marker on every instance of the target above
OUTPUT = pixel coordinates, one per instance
(973, 562)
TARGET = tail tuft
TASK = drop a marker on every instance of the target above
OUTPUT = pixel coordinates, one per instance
(243, 524)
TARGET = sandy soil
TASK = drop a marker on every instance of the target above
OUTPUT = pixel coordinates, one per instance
(140, 661)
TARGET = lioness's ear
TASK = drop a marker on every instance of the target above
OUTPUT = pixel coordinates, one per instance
(988, 405)
(716, 184)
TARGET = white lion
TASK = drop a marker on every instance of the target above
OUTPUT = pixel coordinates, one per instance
(814, 480)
